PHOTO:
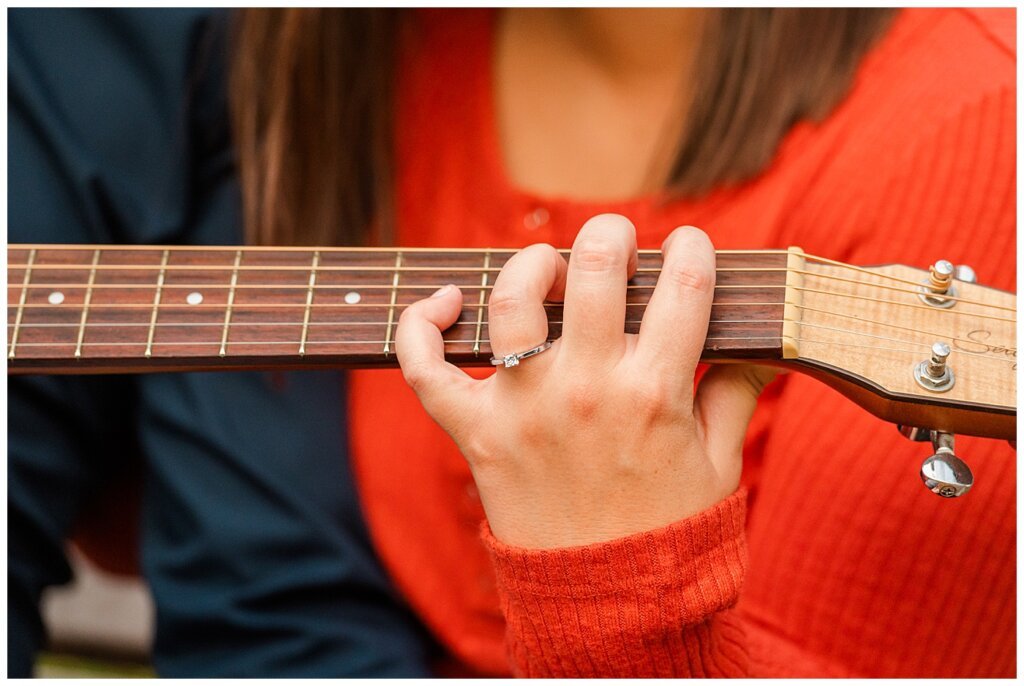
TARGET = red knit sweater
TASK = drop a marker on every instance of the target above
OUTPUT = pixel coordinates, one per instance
(832, 559)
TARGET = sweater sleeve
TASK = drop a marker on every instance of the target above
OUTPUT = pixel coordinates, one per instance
(654, 604)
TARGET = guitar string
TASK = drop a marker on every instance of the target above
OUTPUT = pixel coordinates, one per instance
(475, 251)
(992, 355)
(328, 306)
(319, 286)
(473, 308)
(236, 344)
(636, 287)
(119, 344)
(476, 286)
(923, 332)
(461, 251)
(474, 271)
(795, 252)
(467, 310)
(470, 311)
(322, 306)
(304, 268)
(55, 247)
(332, 250)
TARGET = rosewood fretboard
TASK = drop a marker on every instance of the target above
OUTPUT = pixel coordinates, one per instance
(137, 309)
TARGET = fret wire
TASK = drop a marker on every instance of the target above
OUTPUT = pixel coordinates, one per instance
(85, 305)
(309, 302)
(480, 308)
(21, 303)
(231, 302)
(156, 302)
(394, 301)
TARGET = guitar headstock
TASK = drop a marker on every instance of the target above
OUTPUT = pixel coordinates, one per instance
(918, 348)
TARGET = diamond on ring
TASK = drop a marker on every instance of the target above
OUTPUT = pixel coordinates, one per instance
(513, 359)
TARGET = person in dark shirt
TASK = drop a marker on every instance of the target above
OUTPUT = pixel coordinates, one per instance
(251, 540)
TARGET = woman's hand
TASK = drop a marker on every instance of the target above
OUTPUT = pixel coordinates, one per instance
(601, 436)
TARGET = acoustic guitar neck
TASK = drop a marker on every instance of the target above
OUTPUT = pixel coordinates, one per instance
(910, 346)
(109, 309)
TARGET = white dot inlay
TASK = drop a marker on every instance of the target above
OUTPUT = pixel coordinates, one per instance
(55, 298)
(194, 298)
(352, 297)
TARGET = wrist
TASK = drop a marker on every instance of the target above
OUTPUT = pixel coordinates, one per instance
(689, 570)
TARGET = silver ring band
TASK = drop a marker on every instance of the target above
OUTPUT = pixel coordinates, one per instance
(513, 359)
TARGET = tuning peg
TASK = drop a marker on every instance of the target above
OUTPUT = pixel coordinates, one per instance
(944, 473)
(965, 273)
(935, 374)
(938, 287)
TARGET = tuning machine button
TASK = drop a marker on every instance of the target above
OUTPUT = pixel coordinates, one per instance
(965, 273)
(943, 473)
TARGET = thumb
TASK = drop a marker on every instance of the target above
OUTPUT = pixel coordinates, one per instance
(725, 401)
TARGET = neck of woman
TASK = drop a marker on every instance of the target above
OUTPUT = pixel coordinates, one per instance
(591, 103)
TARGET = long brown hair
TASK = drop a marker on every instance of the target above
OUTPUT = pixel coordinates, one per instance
(311, 95)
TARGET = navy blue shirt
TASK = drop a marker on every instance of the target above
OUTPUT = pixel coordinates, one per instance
(251, 536)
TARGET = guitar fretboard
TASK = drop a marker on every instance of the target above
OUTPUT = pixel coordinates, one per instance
(118, 308)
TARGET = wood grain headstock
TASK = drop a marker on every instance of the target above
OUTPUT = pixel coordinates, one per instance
(866, 330)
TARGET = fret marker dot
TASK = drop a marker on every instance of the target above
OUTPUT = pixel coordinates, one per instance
(55, 298)
(352, 297)
(194, 298)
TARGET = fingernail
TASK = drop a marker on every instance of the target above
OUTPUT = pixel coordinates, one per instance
(443, 290)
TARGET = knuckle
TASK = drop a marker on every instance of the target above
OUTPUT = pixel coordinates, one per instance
(655, 400)
(534, 434)
(583, 401)
(505, 301)
(691, 276)
(598, 254)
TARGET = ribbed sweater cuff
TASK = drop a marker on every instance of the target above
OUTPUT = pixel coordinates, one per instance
(626, 607)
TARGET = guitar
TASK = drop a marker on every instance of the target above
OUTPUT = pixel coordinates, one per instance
(931, 352)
